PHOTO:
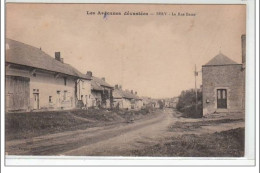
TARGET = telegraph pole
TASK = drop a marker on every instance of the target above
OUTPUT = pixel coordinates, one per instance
(196, 95)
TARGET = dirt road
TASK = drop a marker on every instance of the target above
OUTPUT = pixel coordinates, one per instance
(114, 140)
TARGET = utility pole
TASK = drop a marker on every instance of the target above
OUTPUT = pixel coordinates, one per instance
(196, 95)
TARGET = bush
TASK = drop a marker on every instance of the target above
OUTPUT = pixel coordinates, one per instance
(187, 103)
(191, 111)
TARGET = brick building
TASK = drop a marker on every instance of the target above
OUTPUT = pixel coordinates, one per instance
(223, 83)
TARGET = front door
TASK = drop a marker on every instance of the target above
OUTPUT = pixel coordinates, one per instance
(17, 90)
(222, 98)
(35, 100)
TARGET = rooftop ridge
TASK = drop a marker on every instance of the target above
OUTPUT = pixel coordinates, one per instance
(220, 59)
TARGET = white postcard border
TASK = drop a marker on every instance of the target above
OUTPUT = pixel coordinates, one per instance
(252, 121)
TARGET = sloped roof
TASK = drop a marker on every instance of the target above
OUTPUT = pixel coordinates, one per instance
(101, 82)
(128, 94)
(24, 54)
(119, 93)
(220, 59)
(96, 86)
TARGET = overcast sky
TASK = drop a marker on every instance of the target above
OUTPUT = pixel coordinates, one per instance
(153, 55)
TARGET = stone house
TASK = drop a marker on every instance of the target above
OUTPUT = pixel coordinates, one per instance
(174, 102)
(36, 81)
(101, 92)
(84, 95)
(125, 99)
(139, 104)
(223, 84)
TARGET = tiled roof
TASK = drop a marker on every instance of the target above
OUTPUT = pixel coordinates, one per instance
(220, 59)
(119, 93)
(96, 86)
(101, 82)
(130, 95)
(23, 54)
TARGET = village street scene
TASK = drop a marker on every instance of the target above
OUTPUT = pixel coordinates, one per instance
(79, 86)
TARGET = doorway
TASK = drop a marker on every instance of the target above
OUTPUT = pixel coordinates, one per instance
(17, 92)
(35, 100)
(222, 98)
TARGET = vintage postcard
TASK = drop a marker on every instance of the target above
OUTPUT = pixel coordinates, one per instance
(131, 80)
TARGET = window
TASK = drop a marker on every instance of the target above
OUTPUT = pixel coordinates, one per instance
(219, 93)
(34, 74)
(83, 85)
(224, 94)
(65, 95)
(81, 97)
(65, 81)
(35, 90)
(50, 99)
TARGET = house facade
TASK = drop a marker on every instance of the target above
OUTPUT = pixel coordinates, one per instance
(121, 98)
(84, 95)
(37, 81)
(125, 99)
(101, 93)
(139, 104)
(136, 101)
(223, 82)
(174, 102)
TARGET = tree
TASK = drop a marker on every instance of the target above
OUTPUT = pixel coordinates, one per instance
(187, 103)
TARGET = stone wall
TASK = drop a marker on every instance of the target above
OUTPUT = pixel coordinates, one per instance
(229, 77)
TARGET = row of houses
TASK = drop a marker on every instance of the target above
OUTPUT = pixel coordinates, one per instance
(126, 99)
(37, 81)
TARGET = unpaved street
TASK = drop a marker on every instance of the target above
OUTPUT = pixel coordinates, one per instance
(113, 140)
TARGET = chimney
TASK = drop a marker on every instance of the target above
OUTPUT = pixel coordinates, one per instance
(104, 79)
(120, 87)
(116, 87)
(135, 93)
(132, 91)
(89, 73)
(57, 56)
(243, 44)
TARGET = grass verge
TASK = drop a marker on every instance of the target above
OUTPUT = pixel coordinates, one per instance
(191, 126)
(31, 124)
(219, 144)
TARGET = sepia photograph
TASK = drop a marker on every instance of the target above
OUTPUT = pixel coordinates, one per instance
(131, 80)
